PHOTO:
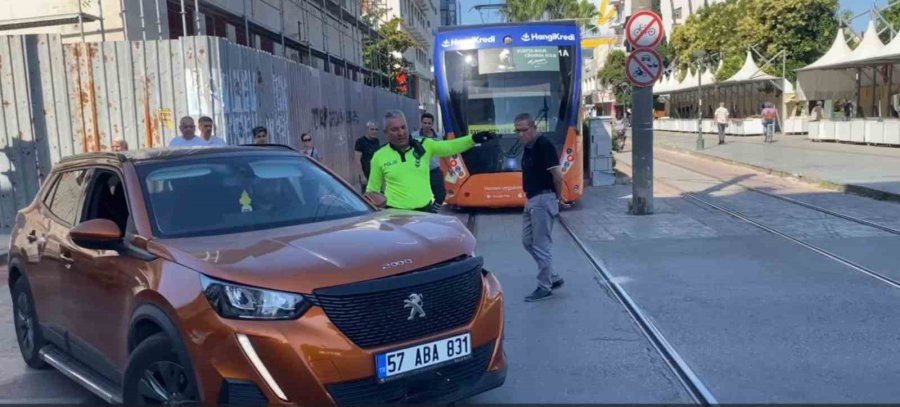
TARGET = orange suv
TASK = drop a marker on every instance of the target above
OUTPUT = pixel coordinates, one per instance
(247, 275)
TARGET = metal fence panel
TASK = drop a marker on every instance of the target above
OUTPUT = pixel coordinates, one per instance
(62, 99)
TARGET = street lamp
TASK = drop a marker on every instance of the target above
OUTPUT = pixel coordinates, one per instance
(700, 56)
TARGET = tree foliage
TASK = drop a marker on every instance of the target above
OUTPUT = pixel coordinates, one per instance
(892, 15)
(613, 75)
(377, 52)
(804, 28)
(539, 10)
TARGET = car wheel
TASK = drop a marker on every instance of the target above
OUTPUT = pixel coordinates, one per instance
(28, 332)
(156, 375)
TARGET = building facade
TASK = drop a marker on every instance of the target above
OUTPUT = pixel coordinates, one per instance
(676, 12)
(420, 19)
(327, 34)
(449, 12)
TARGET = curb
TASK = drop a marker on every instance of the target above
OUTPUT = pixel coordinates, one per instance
(817, 182)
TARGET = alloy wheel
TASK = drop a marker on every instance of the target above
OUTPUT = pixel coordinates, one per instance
(166, 383)
(25, 323)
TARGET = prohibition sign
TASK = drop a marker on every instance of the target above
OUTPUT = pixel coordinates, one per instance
(643, 67)
(644, 30)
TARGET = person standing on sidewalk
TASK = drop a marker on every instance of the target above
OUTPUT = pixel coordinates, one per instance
(435, 174)
(542, 181)
(769, 115)
(363, 150)
(722, 121)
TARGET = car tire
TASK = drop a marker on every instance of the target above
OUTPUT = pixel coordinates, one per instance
(28, 331)
(156, 375)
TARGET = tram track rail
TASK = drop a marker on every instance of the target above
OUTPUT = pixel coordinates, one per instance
(789, 200)
(676, 363)
(743, 217)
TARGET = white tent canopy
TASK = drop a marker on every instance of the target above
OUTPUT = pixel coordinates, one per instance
(838, 53)
(814, 82)
(870, 47)
(749, 72)
(834, 75)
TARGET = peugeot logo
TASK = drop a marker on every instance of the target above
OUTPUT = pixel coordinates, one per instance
(397, 263)
(414, 303)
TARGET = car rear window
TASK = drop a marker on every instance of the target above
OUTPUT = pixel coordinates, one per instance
(218, 195)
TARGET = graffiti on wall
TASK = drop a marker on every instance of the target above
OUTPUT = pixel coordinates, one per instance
(240, 103)
(325, 118)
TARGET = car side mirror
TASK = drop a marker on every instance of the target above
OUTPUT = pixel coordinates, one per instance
(98, 234)
(377, 200)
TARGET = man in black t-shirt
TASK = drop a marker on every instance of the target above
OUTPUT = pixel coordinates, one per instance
(542, 182)
(364, 149)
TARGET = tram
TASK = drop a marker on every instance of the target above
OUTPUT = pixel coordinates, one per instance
(488, 74)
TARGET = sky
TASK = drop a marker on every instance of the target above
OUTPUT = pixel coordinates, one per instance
(470, 16)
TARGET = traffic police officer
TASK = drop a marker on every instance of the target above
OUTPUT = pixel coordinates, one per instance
(402, 165)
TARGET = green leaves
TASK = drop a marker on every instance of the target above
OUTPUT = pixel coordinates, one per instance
(613, 75)
(805, 28)
(538, 10)
(377, 52)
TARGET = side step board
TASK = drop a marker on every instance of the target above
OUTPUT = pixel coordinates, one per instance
(80, 373)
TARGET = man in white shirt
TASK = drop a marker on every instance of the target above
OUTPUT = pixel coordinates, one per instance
(206, 132)
(188, 137)
(722, 121)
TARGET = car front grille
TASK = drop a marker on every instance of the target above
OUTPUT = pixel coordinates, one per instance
(373, 313)
(428, 385)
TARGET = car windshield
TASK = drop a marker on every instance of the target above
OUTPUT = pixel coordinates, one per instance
(216, 195)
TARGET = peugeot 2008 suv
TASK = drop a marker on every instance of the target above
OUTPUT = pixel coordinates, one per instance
(247, 275)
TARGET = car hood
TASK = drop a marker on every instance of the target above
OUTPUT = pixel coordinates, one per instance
(305, 257)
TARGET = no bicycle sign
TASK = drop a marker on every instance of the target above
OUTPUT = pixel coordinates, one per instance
(644, 30)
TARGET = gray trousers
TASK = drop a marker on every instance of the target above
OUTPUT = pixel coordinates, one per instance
(537, 227)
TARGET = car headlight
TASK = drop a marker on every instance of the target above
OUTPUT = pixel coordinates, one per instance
(234, 301)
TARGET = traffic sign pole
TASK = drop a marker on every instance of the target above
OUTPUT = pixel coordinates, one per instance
(644, 32)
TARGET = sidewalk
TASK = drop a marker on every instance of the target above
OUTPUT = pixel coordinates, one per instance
(857, 169)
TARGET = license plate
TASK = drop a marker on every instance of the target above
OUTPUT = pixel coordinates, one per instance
(398, 362)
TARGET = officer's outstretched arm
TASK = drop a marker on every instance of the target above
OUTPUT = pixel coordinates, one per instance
(446, 148)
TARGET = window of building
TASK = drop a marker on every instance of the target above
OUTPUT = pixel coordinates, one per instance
(676, 15)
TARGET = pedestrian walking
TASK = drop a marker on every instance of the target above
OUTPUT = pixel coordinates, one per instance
(308, 149)
(436, 175)
(542, 182)
(365, 148)
(119, 144)
(722, 121)
(817, 112)
(206, 132)
(401, 166)
(260, 135)
(769, 115)
(188, 137)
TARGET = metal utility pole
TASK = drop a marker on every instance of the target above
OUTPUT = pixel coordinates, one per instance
(700, 55)
(642, 139)
(184, 31)
(197, 15)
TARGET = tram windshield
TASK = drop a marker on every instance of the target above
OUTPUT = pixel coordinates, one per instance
(488, 88)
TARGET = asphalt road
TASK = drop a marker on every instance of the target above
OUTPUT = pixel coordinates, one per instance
(20, 384)
(579, 347)
(759, 319)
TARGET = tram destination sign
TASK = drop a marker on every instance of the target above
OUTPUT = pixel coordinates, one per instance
(519, 59)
